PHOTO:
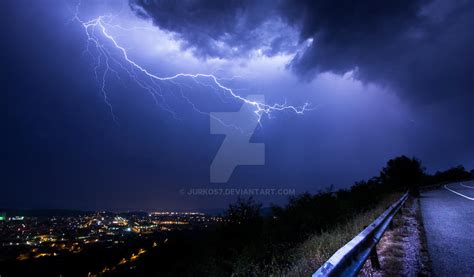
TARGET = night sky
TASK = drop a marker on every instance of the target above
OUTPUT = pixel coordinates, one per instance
(384, 78)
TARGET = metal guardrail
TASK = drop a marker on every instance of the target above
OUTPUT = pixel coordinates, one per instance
(349, 259)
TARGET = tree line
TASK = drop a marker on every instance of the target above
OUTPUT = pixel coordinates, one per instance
(249, 243)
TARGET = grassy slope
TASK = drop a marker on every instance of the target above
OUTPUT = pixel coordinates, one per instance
(312, 253)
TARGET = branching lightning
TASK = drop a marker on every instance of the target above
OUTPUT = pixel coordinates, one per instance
(107, 62)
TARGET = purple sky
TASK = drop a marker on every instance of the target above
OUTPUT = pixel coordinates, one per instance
(383, 79)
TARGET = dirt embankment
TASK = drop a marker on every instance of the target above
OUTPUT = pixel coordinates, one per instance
(402, 250)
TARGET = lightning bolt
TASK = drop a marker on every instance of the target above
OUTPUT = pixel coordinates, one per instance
(107, 63)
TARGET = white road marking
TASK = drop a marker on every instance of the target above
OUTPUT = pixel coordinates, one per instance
(460, 194)
(466, 186)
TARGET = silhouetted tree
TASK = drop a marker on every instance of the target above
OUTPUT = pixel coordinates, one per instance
(244, 211)
(243, 222)
(453, 174)
(403, 172)
(242, 234)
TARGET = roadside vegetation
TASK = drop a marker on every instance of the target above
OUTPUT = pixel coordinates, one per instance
(316, 250)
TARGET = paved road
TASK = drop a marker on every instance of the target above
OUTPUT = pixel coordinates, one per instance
(448, 216)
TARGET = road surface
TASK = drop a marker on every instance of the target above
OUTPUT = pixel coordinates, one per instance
(448, 216)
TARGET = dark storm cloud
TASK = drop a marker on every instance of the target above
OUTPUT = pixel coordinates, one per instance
(420, 48)
(218, 28)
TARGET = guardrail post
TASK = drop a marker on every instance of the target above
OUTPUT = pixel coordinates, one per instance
(391, 226)
(374, 259)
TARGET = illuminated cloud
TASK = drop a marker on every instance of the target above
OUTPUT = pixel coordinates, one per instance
(417, 48)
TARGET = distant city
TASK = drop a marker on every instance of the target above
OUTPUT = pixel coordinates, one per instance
(24, 238)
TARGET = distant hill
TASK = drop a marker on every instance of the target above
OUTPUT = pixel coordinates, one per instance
(45, 212)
